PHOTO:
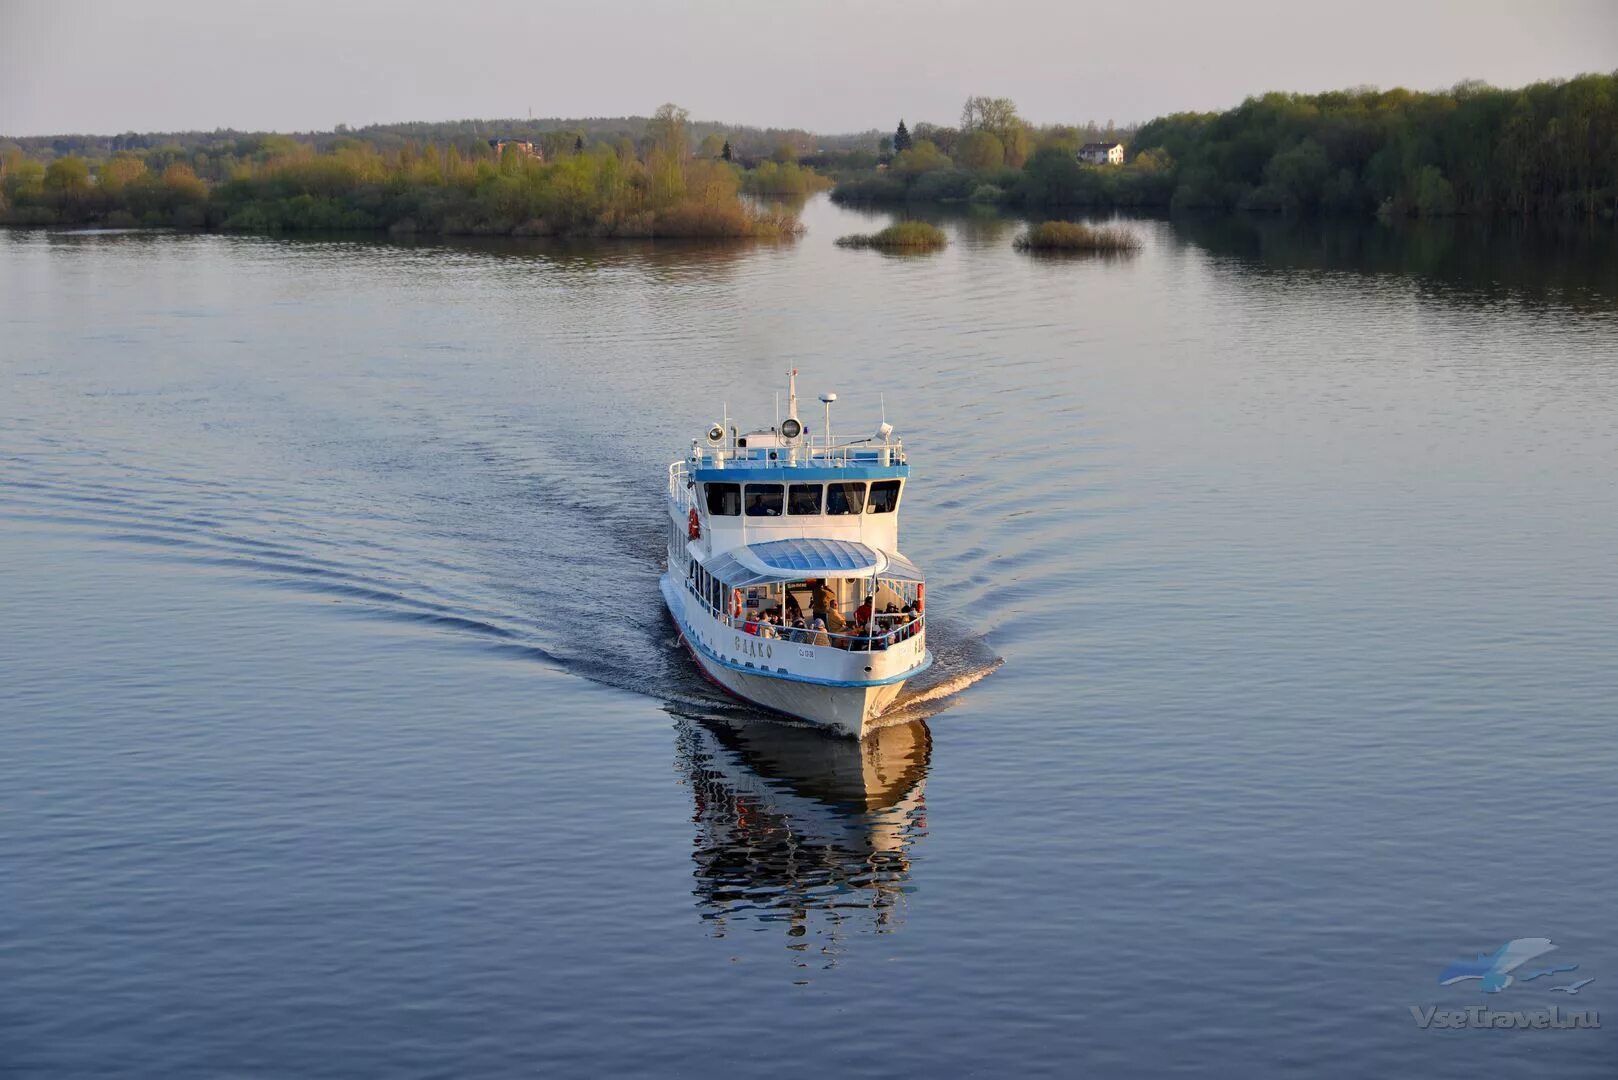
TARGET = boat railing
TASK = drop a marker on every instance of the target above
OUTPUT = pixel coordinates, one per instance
(677, 485)
(836, 456)
(891, 629)
(849, 642)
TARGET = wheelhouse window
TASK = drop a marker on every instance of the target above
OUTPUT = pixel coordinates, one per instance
(884, 497)
(845, 497)
(803, 499)
(724, 500)
(763, 500)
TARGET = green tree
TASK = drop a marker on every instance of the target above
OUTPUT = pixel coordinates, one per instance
(1434, 194)
(901, 138)
(1052, 177)
(67, 175)
(980, 150)
(578, 145)
(921, 158)
(1016, 141)
(712, 146)
(726, 152)
(997, 115)
(785, 154)
(120, 170)
(1298, 174)
(945, 138)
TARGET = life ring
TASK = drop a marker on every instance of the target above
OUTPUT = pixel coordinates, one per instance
(735, 603)
(693, 527)
(921, 598)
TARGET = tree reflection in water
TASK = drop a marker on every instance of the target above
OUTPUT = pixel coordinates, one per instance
(798, 828)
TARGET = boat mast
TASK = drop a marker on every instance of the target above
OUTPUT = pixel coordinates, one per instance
(792, 394)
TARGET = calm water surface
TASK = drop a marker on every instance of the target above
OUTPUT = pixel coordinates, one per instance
(342, 733)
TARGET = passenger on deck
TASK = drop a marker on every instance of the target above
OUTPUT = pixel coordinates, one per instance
(794, 609)
(800, 631)
(824, 603)
(818, 635)
(756, 508)
(862, 614)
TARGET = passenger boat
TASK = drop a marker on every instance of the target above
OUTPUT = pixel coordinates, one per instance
(773, 524)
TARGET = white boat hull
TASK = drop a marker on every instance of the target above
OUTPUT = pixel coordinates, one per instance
(845, 709)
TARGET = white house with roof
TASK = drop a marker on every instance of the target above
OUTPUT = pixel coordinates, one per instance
(1102, 153)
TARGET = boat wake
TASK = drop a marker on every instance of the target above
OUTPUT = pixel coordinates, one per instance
(467, 544)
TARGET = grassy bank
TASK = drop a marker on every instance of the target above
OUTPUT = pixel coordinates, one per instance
(901, 236)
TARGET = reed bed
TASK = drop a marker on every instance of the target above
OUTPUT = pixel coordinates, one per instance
(1076, 236)
(900, 236)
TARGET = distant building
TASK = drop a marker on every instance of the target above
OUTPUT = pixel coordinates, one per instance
(522, 146)
(1102, 153)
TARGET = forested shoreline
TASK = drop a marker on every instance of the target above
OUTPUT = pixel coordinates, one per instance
(1546, 149)
(658, 186)
(1549, 149)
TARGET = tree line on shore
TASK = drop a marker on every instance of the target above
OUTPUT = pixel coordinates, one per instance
(659, 185)
(1549, 148)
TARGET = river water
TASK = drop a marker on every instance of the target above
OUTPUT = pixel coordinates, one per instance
(1273, 584)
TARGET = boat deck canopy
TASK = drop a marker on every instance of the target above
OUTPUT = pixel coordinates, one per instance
(807, 557)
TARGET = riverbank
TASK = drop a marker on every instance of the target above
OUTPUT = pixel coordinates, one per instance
(358, 189)
(1549, 149)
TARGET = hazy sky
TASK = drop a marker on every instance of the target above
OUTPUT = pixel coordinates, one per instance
(831, 65)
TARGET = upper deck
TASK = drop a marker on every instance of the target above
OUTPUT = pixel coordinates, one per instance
(747, 487)
(760, 455)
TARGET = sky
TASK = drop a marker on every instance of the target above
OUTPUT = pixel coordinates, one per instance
(81, 66)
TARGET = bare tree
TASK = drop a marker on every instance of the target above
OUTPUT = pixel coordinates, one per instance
(668, 131)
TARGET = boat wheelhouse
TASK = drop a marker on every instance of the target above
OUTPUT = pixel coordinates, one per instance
(784, 572)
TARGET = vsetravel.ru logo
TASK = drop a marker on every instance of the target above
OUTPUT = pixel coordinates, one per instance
(1516, 964)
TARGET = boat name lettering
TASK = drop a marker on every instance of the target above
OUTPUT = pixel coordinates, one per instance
(752, 647)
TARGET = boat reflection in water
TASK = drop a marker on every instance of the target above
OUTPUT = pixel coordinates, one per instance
(802, 829)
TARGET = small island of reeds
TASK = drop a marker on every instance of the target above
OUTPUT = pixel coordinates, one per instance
(1076, 236)
(900, 236)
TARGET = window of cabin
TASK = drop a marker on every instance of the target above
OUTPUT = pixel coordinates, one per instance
(884, 497)
(763, 500)
(845, 497)
(724, 500)
(803, 499)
